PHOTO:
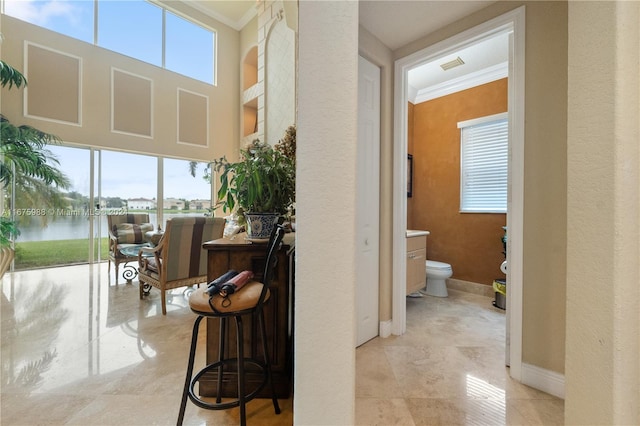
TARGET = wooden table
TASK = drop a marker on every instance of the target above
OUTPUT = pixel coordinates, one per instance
(239, 254)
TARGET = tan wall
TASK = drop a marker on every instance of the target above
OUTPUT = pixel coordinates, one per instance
(545, 199)
(603, 284)
(470, 242)
(95, 129)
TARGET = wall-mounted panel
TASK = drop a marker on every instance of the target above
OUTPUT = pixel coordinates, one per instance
(54, 89)
(193, 118)
(131, 103)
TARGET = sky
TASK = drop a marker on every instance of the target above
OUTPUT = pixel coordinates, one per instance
(121, 175)
(131, 27)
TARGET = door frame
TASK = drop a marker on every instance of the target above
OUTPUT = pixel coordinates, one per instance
(512, 22)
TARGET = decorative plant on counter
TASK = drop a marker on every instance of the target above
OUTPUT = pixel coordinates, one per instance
(262, 182)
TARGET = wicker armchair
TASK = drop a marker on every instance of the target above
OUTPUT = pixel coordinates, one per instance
(125, 230)
(179, 259)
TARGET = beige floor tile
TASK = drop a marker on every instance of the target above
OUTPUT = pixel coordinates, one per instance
(79, 349)
(383, 412)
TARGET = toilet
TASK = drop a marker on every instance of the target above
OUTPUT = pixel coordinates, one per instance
(437, 273)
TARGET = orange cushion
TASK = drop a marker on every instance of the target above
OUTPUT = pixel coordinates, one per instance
(245, 298)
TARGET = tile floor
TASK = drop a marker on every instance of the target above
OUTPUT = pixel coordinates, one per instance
(447, 369)
(77, 349)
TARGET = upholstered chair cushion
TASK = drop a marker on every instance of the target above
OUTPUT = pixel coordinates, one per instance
(245, 298)
(152, 265)
(132, 233)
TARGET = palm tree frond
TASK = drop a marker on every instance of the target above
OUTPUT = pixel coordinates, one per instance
(11, 76)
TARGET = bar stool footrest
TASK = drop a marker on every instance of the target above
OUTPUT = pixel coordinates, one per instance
(227, 404)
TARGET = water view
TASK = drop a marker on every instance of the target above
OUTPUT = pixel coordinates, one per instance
(71, 227)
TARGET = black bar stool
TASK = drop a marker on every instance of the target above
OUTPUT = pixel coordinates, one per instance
(248, 300)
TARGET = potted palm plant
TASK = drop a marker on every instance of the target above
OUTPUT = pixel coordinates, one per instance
(261, 185)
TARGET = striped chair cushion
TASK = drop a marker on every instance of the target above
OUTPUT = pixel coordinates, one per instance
(185, 254)
(131, 233)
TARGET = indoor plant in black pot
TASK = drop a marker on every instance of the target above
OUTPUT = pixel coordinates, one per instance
(261, 185)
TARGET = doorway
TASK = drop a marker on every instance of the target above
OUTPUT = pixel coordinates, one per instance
(511, 23)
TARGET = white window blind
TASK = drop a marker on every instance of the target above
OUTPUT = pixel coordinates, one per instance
(483, 164)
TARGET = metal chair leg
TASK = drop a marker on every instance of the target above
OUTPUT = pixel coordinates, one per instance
(187, 380)
(241, 394)
(267, 361)
(221, 348)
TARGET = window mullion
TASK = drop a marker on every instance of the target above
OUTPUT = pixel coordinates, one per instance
(164, 37)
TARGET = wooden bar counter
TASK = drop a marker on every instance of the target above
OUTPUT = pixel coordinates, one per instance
(240, 254)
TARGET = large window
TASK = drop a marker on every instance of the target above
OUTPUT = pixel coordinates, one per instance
(136, 28)
(71, 226)
(54, 225)
(133, 28)
(184, 45)
(484, 144)
(72, 18)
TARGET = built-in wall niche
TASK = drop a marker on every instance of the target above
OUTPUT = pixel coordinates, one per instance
(250, 94)
(250, 68)
(250, 118)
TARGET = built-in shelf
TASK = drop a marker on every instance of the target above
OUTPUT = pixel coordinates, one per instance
(250, 68)
(251, 91)
(250, 120)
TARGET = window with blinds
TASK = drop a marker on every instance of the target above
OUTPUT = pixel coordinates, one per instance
(484, 144)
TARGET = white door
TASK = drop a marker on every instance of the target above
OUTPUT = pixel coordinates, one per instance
(368, 203)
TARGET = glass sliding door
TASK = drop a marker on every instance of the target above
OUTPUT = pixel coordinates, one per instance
(54, 223)
(128, 182)
(68, 226)
(185, 194)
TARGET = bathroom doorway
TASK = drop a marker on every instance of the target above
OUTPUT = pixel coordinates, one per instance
(512, 25)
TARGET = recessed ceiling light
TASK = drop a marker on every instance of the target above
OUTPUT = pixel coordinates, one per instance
(452, 64)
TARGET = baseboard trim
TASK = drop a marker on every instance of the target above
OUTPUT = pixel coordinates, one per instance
(470, 287)
(385, 328)
(545, 380)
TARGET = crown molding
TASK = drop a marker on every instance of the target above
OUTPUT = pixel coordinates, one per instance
(236, 25)
(468, 81)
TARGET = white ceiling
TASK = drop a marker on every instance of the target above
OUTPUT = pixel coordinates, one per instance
(397, 23)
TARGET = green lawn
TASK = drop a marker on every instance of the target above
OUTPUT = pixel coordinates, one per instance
(38, 254)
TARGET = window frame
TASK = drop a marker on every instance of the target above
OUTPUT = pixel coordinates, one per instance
(212, 81)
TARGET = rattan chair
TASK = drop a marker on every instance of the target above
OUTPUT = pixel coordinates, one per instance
(125, 230)
(246, 302)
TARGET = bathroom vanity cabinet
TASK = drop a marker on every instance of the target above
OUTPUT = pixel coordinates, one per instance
(416, 260)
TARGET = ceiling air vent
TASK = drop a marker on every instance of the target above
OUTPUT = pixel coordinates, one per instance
(452, 64)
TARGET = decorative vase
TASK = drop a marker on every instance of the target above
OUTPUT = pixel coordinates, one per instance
(260, 225)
